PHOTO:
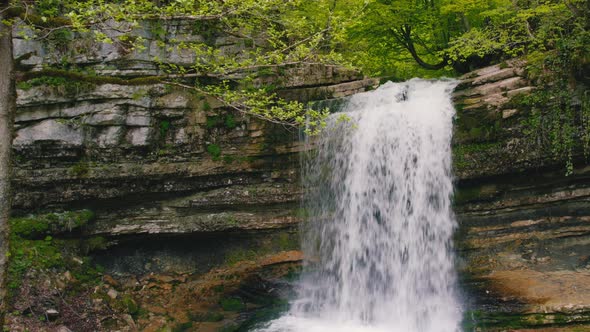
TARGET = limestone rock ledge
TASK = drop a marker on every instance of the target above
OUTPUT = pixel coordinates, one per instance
(139, 156)
(524, 227)
(143, 157)
(154, 160)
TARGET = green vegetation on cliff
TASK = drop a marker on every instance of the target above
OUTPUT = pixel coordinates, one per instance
(33, 246)
(399, 39)
(433, 38)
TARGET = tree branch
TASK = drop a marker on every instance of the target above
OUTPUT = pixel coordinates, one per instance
(237, 107)
(404, 36)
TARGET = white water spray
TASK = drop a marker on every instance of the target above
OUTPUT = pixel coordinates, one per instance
(379, 238)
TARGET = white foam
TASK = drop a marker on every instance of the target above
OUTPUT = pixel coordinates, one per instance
(378, 241)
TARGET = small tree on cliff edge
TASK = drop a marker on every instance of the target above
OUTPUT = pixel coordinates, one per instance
(277, 35)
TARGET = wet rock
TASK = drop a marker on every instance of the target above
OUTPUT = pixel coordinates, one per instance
(554, 291)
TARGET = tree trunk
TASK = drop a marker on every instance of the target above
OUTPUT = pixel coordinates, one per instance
(7, 110)
(421, 62)
(403, 35)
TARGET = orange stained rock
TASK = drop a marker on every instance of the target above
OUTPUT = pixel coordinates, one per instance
(555, 290)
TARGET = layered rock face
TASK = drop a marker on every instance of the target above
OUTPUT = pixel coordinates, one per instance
(524, 233)
(178, 184)
(155, 160)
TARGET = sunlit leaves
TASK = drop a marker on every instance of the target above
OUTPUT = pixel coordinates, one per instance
(272, 33)
(266, 105)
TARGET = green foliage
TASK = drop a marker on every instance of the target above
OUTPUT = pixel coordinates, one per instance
(32, 248)
(377, 43)
(164, 127)
(554, 37)
(559, 120)
(228, 159)
(80, 169)
(94, 243)
(231, 304)
(215, 151)
(61, 85)
(51, 223)
(60, 39)
(213, 121)
(206, 106)
(273, 33)
(467, 33)
(517, 28)
(396, 38)
(267, 106)
(26, 254)
(558, 126)
(462, 152)
(230, 121)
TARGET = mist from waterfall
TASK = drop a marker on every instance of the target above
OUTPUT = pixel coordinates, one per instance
(378, 239)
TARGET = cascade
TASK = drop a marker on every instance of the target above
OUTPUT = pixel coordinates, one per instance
(378, 240)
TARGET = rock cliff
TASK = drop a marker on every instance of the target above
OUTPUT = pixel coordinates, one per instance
(154, 160)
(178, 186)
(524, 233)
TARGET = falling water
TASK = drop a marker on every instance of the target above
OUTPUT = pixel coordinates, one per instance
(378, 239)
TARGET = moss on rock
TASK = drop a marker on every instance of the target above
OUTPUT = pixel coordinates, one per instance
(52, 223)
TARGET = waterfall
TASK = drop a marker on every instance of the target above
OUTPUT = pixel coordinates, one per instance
(378, 242)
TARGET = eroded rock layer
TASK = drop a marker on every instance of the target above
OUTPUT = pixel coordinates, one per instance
(524, 233)
(154, 160)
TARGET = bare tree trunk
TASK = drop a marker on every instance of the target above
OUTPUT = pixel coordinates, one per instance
(7, 110)
(403, 35)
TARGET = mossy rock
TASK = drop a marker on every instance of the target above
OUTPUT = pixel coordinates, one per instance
(33, 249)
(501, 321)
(232, 304)
(52, 223)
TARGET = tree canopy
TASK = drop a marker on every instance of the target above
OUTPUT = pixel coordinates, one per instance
(397, 38)
(401, 38)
